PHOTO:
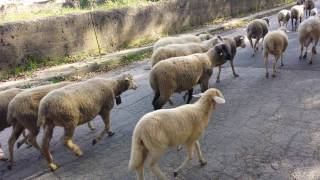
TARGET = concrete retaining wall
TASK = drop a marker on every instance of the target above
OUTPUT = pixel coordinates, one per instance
(53, 37)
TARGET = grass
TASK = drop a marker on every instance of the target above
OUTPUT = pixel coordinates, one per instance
(60, 11)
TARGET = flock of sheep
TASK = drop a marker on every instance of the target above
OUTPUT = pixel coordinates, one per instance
(178, 65)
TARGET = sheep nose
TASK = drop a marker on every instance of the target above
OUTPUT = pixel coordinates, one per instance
(134, 86)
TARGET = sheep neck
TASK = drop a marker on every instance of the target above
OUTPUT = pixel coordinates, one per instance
(118, 87)
(206, 106)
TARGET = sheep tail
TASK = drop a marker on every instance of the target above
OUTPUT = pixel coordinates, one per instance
(137, 155)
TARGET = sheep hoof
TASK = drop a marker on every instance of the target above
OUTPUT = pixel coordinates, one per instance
(78, 152)
(300, 57)
(304, 56)
(218, 80)
(310, 62)
(175, 174)
(267, 75)
(110, 133)
(53, 166)
(273, 75)
(94, 142)
(203, 163)
(236, 75)
(252, 55)
(282, 64)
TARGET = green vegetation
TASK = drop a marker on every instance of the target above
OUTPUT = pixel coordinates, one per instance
(60, 11)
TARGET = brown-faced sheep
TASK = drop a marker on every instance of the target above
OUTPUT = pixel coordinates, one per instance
(189, 38)
(296, 14)
(275, 43)
(23, 114)
(308, 6)
(309, 32)
(176, 50)
(232, 44)
(257, 29)
(183, 73)
(284, 17)
(156, 131)
(77, 104)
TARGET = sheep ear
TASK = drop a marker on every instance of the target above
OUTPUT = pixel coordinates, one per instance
(220, 38)
(219, 100)
(197, 95)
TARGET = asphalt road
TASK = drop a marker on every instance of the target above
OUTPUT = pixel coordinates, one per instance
(268, 129)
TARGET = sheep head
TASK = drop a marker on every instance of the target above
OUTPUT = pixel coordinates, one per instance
(214, 94)
(129, 81)
(267, 20)
(240, 42)
(223, 51)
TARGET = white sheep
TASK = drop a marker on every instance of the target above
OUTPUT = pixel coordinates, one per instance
(257, 29)
(309, 32)
(189, 38)
(176, 50)
(180, 74)
(314, 12)
(284, 17)
(158, 130)
(296, 14)
(275, 43)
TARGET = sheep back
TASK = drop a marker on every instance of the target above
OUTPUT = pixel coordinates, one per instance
(276, 42)
(309, 29)
(176, 40)
(257, 29)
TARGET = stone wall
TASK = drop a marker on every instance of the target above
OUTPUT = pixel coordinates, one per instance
(53, 37)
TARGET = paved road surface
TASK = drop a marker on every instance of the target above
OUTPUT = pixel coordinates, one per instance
(268, 129)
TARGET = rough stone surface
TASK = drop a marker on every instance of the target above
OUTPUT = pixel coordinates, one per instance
(268, 129)
(72, 34)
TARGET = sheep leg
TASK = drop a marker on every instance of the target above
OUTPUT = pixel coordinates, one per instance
(218, 77)
(152, 159)
(33, 141)
(256, 44)
(274, 67)
(250, 40)
(164, 97)
(301, 51)
(314, 51)
(266, 63)
(306, 52)
(155, 98)
(106, 119)
(67, 141)
(91, 126)
(186, 161)
(45, 146)
(199, 153)
(282, 59)
(16, 132)
(140, 173)
(232, 66)
(189, 95)
(292, 23)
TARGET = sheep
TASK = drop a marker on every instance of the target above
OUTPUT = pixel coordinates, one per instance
(232, 44)
(77, 104)
(189, 38)
(175, 50)
(275, 43)
(205, 36)
(296, 14)
(156, 131)
(23, 114)
(183, 73)
(308, 6)
(257, 29)
(284, 17)
(314, 12)
(5, 97)
(309, 32)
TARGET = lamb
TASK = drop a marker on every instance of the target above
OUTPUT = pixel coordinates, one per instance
(156, 131)
(176, 50)
(275, 43)
(5, 97)
(308, 6)
(296, 14)
(23, 113)
(284, 17)
(309, 32)
(77, 104)
(257, 29)
(232, 44)
(314, 12)
(183, 73)
(189, 38)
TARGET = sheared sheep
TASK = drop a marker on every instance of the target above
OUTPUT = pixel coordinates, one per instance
(183, 73)
(309, 32)
(296, 14)
(156, 131)
(176, 50)
(314, 12)
(189, 38)
(23, 114)
(257, 29)
(232, 44)
(77, 104)
(275, 43)
(284, 17)
(308, 6)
